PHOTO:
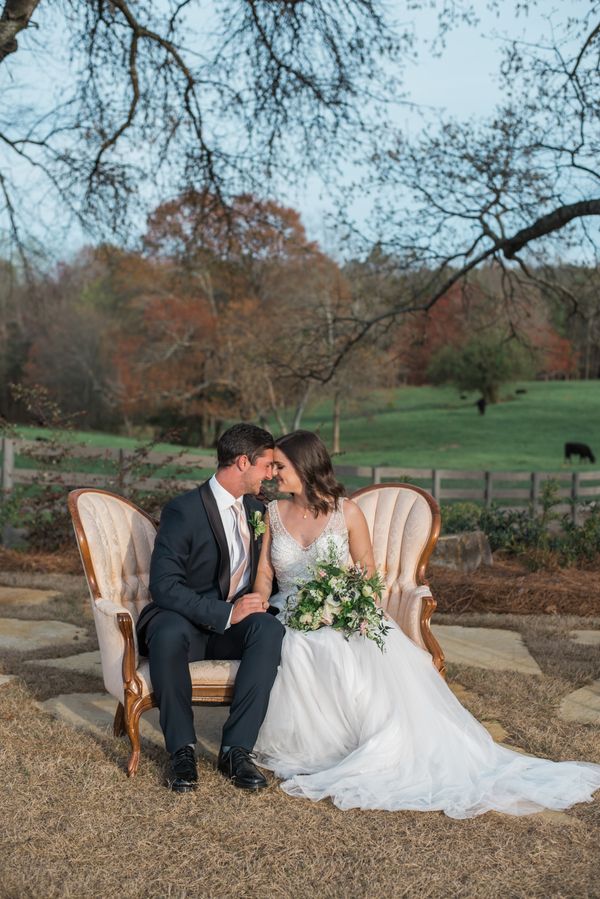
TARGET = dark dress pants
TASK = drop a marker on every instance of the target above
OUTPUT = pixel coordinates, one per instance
(173, 642)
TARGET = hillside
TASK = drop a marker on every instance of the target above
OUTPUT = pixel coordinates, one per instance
(433, 427)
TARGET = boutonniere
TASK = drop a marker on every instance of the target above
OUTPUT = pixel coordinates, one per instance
(256, 522)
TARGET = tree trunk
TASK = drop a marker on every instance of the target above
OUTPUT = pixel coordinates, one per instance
(337, 414)
(588, 347)
(273, 399)
(128, 425)
(217, 427)
(490, 394)
(15, 17)
(301, 406)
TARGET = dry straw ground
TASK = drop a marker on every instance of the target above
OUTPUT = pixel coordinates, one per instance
(74, 826)
(509, 586)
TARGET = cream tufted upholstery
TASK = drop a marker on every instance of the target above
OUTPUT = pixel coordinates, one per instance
(404, 524)
(120, 539)
(115, 540)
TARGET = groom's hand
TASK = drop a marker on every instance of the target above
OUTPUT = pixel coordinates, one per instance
(246, 605)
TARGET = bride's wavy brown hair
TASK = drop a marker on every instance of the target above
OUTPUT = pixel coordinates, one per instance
(308, 454)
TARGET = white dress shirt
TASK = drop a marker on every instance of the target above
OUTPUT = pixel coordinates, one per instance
(235, 545)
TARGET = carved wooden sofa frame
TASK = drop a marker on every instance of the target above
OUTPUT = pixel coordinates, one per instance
(415, 601)
(415, 605)
(135, 703)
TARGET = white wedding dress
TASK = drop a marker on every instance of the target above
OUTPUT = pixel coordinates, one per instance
(377, 730)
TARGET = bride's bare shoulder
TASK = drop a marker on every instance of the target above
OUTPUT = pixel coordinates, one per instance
(279, 507)
(352, 512)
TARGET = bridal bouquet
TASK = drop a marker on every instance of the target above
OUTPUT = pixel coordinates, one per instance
(339, 596)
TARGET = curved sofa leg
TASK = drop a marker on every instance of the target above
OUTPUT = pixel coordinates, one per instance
(134, 703)
(119, 723)
(134, 706)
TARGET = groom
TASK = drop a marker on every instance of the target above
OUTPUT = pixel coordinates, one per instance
(203, 565)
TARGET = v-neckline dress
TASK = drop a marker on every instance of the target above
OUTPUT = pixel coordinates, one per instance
(382, 730)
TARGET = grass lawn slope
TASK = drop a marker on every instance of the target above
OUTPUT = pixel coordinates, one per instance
(431, 427)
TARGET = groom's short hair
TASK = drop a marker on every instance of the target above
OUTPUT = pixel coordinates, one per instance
(243, 440)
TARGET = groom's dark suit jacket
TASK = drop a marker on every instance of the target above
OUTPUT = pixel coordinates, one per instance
(190, 566)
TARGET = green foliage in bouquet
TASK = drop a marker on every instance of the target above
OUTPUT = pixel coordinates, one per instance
(339, 596)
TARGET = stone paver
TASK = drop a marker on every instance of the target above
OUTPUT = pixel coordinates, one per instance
(485, 647)
(582, 705)
(496, 731)
(562, 818)
(84, 662)
(494, 728)
(6, 679)
(589, 638)
(23, 635)
(95, 712)
(13, 597)
(462, 694)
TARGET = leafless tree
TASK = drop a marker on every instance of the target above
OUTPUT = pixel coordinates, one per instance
(520, 189)
(160, 95)
(164, 93)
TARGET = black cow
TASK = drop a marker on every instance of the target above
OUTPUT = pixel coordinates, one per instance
(481, 404)
(579, 449)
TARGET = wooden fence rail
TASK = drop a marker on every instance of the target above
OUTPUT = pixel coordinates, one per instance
(505, 487)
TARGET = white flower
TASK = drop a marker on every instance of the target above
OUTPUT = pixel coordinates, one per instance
(306, 618)
(330, 610)
(367, 590)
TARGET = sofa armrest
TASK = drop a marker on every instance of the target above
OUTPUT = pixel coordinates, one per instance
(409, 611)
(118, 645)
(417, 605)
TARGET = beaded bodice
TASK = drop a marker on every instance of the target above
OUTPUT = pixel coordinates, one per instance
(291, 560)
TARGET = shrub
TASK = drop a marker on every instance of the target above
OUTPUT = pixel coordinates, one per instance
(459, 517)
(542, 539)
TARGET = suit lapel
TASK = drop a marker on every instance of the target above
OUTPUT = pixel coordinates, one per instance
(214, 519)
(254, 543)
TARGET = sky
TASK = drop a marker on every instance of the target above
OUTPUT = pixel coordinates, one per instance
(462, 81)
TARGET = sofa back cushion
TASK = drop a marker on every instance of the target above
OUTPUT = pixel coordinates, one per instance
(120, 538)
(400, 524)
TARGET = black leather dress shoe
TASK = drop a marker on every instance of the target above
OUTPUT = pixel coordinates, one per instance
(184, 774)
(238, 767)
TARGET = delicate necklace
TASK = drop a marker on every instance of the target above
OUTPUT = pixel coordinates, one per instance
(305, 513)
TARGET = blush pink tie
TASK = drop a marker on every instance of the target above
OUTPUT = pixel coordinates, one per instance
(244, 536)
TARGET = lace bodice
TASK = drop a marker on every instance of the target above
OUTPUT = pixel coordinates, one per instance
(291, 560)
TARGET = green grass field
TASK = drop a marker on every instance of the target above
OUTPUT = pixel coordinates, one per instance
(432, 427)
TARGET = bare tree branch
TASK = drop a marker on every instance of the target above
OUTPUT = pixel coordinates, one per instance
(13, 224)
(588, 41)
(549, 223)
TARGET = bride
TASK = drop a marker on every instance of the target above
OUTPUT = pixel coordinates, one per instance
(373, 729)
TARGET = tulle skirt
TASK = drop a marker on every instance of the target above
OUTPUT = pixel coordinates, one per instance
(381, 730)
